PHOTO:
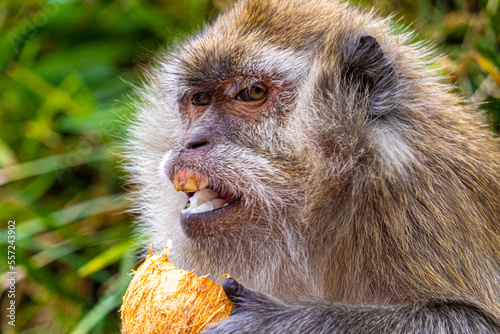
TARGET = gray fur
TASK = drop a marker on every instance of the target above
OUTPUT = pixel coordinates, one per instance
(378, 201)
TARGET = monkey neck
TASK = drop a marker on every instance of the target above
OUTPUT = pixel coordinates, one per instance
(396, 230)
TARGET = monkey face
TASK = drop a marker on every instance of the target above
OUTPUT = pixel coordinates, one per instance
(223, 160)
(260, 128)
(250, 154)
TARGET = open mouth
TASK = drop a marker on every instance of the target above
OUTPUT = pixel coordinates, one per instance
(203, 195)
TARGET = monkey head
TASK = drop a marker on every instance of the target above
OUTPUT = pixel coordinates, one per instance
(274, 145)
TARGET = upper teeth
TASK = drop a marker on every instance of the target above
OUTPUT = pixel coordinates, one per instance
(189, 181)
(204, 199)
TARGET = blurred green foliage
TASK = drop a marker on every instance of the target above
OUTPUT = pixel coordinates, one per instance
(66, 68)
(65, 73)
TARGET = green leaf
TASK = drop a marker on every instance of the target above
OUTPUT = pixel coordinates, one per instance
(106, 258)
(52, 163)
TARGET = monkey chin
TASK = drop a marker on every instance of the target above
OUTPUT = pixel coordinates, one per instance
(211, 224)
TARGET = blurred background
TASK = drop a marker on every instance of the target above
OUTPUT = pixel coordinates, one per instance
(66, 67)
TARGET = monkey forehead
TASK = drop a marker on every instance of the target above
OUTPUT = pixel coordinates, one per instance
(208, 65)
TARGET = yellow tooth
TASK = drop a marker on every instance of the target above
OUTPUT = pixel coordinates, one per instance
(191, 185)
(203, 183)
(192, 182)
(177, 181)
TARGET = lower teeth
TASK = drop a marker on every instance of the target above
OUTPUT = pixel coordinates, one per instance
(203, 201)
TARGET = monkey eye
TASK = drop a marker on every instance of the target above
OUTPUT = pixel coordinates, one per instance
(201, 99)
(254, 93)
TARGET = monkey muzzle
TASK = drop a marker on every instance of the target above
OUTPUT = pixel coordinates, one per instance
(201, 198)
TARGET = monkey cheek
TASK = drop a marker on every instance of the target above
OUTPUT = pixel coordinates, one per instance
(218, 223)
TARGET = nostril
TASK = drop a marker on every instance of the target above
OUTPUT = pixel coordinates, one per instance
(194, 141)
(194, 145)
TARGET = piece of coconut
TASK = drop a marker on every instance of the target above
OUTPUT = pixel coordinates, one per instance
(163, 299)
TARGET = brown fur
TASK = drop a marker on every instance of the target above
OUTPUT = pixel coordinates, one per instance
(382, 199)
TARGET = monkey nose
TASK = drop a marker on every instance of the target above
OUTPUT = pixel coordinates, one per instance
(195, 140)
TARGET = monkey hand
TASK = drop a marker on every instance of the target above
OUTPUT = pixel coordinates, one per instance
(253, 312)
(257, 313)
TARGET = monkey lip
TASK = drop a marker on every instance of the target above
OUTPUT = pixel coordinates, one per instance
(203, 195)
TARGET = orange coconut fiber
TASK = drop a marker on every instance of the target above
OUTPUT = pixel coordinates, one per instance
(164, 299)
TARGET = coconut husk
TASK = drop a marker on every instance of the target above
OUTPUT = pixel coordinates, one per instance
(163, 299)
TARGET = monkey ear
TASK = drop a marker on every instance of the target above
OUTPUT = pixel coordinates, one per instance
(364, 66)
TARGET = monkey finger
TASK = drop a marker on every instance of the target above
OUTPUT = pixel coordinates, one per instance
(235, 291)
(238, 294)
(232, 288)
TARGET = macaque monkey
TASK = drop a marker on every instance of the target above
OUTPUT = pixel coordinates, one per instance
(308, 149)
